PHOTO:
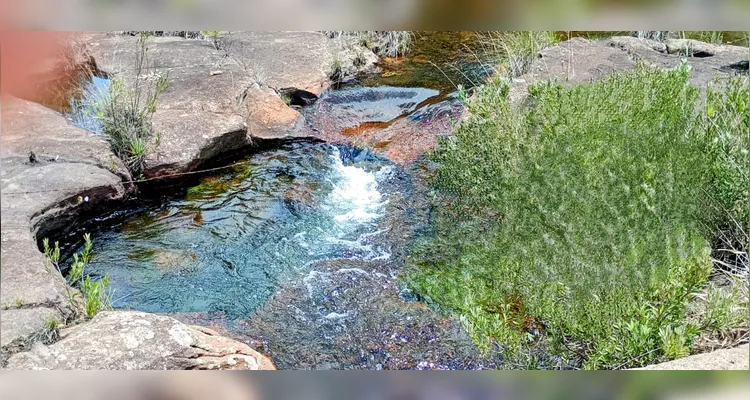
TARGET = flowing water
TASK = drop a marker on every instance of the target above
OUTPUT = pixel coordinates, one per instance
(297, 250)
(232, 240)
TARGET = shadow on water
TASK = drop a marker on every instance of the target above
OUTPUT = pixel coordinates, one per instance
(438, 60)
(298, 251)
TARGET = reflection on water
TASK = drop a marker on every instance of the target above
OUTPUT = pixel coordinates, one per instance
(228, 245)
(86, 109)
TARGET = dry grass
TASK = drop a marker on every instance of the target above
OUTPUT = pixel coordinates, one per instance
(383, 43)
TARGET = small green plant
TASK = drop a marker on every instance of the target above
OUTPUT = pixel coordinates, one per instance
(52, 255)
(336, 73)
(75, 274)
(96, 296)
(52, 323)
(124, 111)
(214, 37)
(49, 334)
(19, 302)
(674, 341)
(112, 165)
(725, 308)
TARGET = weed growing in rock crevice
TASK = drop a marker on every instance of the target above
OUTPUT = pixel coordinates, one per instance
(124, 111)
(383, 43)
(516, 49)
(96, 296)
(581, 225)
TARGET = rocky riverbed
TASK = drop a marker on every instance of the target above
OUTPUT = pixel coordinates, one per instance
(222, 106)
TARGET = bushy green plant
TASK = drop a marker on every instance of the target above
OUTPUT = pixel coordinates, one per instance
(517, 49)
(727, 122)
(125, 112)
(580, 221)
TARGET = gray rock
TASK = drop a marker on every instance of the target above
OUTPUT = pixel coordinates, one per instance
(692, 48)
(582, 60)
(139, 341)
(726, 359)
(24, 322)
(634, 44)
(74, 172)
(221, 101)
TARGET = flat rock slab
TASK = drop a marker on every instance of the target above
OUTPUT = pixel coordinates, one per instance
(400, 123)
(582, 60)
(220, 100)
(139, 341)
(728, 359)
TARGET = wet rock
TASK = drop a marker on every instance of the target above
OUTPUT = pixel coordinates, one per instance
(299, 195)
(74, 173)
(400, 123)
(174, 261)
(297, 97)
(136, 341)
(268, 117)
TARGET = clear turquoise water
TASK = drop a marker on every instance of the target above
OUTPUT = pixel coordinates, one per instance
(229, 244)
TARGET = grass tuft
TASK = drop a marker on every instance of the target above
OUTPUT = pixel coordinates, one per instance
(123, 112)
(383, 43)
(517, 49)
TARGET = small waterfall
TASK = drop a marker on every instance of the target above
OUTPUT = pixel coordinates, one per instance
(355, 198)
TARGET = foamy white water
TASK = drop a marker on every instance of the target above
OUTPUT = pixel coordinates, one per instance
(355, 196)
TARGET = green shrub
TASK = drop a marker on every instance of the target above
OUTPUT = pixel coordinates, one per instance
(583, 227)
(517, 49)
(125, 112)
(727, 122)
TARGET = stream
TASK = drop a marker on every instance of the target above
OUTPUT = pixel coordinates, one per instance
(297, 250)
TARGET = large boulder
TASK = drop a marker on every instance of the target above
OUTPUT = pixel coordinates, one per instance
(220, 101)
(140, 341)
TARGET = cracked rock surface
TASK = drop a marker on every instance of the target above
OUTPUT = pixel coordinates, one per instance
(140, 341)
